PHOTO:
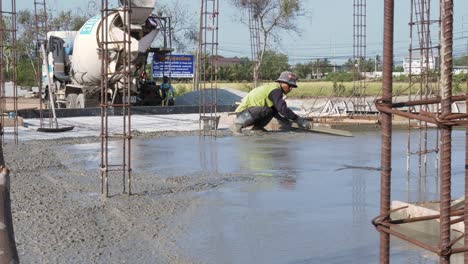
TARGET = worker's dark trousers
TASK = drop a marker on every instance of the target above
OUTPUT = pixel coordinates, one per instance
(262, 115)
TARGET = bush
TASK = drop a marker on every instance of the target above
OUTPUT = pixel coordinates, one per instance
(338, 89)
(339, 77)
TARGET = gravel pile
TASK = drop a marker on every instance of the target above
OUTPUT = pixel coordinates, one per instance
(224, 96)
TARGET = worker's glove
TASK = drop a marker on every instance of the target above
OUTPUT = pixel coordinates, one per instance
(303, 123)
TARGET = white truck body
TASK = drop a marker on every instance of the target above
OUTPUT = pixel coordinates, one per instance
(75, 61)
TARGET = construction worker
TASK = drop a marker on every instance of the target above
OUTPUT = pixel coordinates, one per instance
(167, 92)
(265, 102)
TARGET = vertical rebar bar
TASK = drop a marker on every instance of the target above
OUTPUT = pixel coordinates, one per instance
(446, 131)
(14, 50)
(2, 69)
(8, 40)
(465, 220)
(2, 73)
(104, 118)
(386, 121)
(40, 17)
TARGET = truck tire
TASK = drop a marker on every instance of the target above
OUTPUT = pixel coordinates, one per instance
(80, 101)
(71, 100)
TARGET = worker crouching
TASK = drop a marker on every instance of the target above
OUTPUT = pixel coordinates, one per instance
(265, 102)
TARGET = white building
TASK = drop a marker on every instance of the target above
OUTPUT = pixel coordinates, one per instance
(417, 64)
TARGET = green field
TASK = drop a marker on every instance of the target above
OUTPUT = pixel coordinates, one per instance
(313, 89)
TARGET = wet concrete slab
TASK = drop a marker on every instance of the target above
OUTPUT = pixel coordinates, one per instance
(281, 197)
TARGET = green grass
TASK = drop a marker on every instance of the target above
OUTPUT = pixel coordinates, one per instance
(314, 89)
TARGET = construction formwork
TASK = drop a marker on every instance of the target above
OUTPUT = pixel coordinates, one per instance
(207, 67)
(445, 120)
(110, 164)
(8, 69)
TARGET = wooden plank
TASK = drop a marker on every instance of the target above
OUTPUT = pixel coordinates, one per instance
(325, 130)
(331, 131)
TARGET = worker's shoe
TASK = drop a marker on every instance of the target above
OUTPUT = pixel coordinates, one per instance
(245, 119)
(259, 129)
(236, 129)
(284, 125)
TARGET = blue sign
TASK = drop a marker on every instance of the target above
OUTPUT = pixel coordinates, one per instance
(177, 66)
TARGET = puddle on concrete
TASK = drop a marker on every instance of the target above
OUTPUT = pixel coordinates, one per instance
(311, 200)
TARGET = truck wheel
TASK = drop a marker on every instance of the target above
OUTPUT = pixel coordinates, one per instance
(71, 100)
(80, 101)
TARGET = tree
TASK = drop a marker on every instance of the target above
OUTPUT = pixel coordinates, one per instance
(274, 17)
(273, 64)
(315, 68)
(461, 61)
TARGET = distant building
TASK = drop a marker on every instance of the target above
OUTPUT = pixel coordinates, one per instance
(460, 69)
(417, 65)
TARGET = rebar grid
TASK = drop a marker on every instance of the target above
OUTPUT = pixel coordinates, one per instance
(107, 102)
(359, 57)
(40, 18)
(445, 120)
(207, 67)
(426, 76)
(8, 41)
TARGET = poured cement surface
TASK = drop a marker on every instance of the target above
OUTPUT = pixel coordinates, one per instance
(271, 198)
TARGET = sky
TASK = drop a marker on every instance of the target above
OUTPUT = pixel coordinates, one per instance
(326, 29)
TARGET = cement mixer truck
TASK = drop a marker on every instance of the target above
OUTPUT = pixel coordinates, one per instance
(74, 61)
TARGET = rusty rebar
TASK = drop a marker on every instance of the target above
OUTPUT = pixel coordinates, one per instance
(446, 132)
(40, 17)
(208, 67)
(386, 121)
(465, 219)
(123, 166)
(387, 225)
(7, 237)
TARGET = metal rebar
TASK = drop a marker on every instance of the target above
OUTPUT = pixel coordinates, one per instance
(125, 135)
(7, 237)
(9, 41)
(465, 219)
(386, 121)
(446, 132)
(208, 62)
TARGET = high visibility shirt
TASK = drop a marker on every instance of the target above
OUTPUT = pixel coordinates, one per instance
(258, 97)
(268, 95)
